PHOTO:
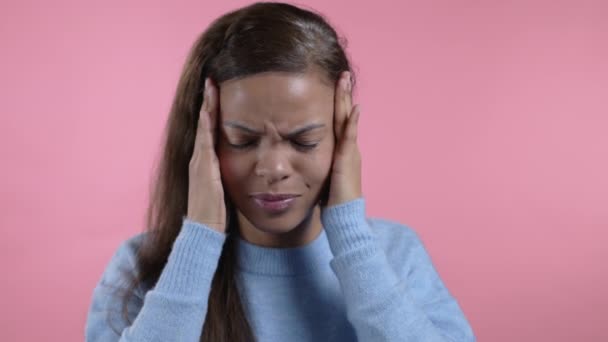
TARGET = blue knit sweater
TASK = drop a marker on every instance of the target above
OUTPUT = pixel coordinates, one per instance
(361, 279)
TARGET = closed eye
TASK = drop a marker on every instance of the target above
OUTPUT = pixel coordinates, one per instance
(241, 146)
(300, 145)
(305, 145)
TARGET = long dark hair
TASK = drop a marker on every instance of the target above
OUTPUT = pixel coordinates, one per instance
(264, 36)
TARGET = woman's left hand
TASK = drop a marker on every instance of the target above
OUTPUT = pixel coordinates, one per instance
(345, 183)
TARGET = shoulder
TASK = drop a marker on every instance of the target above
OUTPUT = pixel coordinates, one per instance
(104, 319)
(402, 244)
(126, 252)
(122, 266)
(392, 234)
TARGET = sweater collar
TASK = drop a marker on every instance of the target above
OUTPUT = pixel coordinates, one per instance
(288, 261)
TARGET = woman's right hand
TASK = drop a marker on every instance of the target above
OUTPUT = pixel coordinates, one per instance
(205, 190)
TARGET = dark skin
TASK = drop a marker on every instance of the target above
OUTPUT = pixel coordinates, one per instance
(287, 133)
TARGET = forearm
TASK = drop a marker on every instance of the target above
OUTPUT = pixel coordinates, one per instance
(381, 304)
(175, 309)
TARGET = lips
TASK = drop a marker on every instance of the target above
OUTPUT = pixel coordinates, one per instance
(271, 197)
(275, 203)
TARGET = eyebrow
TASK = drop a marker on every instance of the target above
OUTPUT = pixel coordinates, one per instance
(238, 125)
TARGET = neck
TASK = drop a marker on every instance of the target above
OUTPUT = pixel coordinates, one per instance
(304, 233)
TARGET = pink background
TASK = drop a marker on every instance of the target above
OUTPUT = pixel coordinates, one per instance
(484, 127)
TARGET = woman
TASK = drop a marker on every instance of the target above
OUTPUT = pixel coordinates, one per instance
(257, 226)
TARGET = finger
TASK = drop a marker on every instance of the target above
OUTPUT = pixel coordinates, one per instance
(352, 127)
(340, 104)
(348, 101)
(351, 131)
(212, 98)
(200, 125)
(203, 138)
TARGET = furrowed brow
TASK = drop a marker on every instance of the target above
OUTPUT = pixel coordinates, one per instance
(304, 129)
(297, 131)
(238, 125)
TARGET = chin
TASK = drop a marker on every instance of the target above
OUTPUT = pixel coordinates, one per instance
(276, 224)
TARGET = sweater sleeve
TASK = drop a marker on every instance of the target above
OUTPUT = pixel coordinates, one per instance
(382, 304)
(175, 309)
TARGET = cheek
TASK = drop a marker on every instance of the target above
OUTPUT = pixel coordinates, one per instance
(233, 169)
(316, 168)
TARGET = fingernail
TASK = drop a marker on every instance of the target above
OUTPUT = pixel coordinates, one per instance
(346, 81)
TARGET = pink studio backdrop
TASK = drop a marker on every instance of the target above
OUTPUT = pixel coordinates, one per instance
(484, 127)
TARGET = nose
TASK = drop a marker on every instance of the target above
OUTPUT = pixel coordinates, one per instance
(273, 164)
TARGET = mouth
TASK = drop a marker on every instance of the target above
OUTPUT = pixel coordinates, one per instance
(274, 203)
(273, 196)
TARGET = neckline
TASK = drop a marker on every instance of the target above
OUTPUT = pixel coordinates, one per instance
(288, 261)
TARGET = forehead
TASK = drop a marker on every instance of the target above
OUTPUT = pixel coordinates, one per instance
(278, 98)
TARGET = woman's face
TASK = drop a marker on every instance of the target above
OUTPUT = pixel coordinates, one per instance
(275, 136)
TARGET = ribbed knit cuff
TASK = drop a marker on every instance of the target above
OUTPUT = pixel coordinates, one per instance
(192, 262)
(347, 228)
